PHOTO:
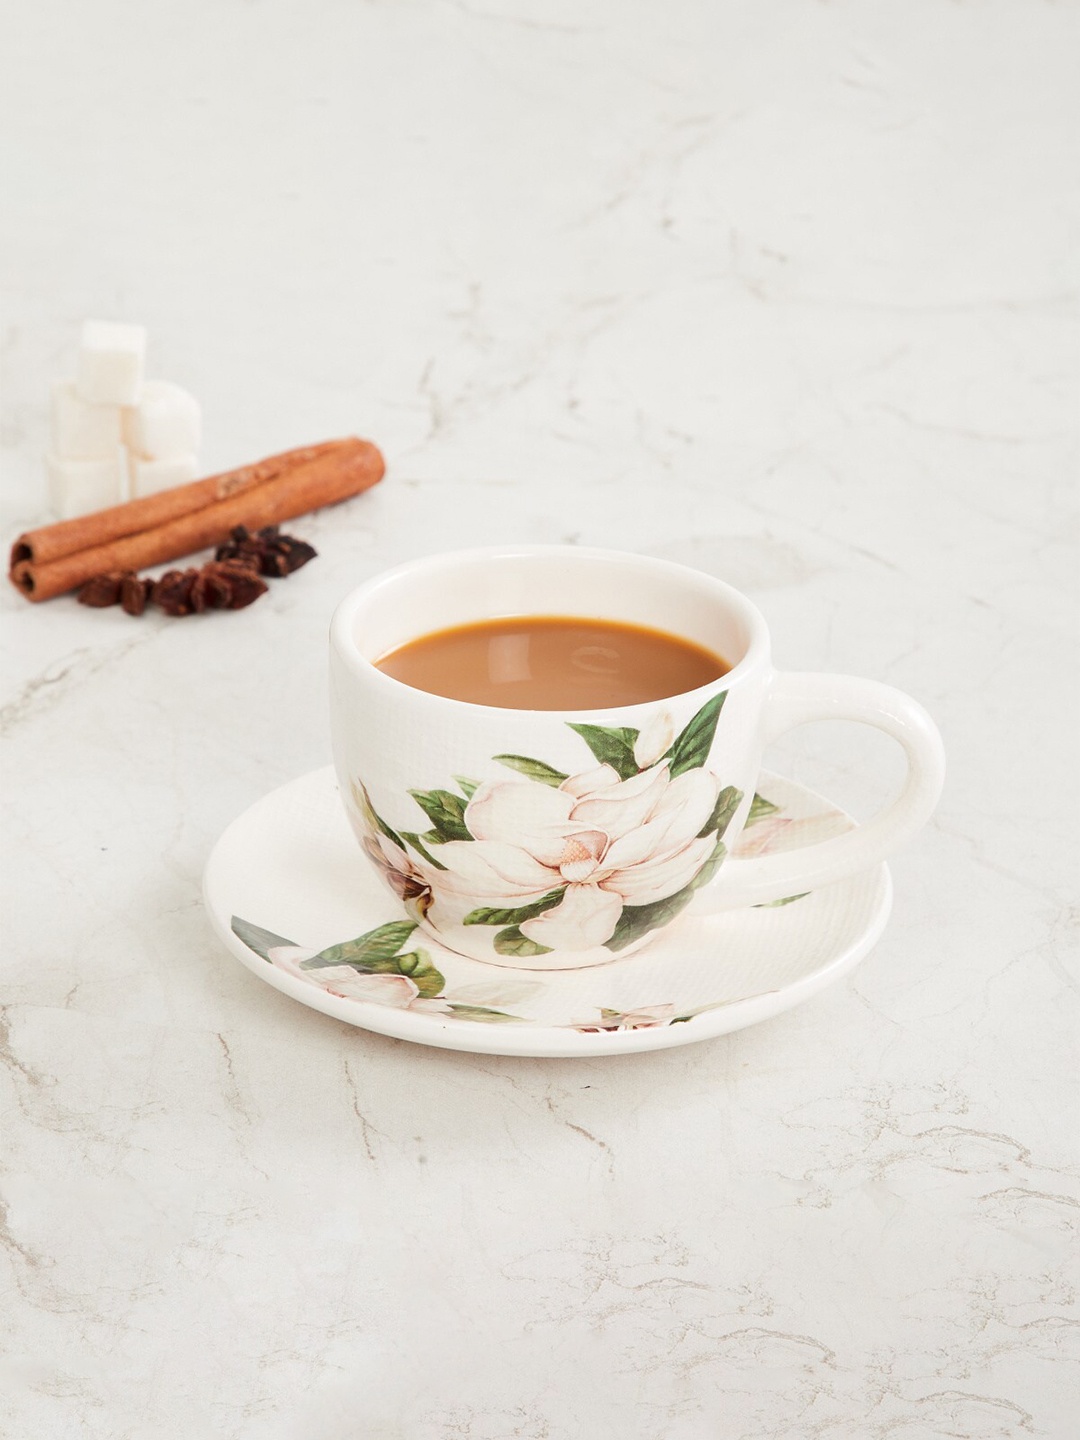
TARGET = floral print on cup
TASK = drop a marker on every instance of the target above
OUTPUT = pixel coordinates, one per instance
(568, 862)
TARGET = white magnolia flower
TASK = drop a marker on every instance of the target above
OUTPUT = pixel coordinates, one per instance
(397, 991)
(603, 841)
(402, 873)
(645, 1017)
(776, 833)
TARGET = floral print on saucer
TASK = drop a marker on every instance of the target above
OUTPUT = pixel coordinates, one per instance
(291, 895)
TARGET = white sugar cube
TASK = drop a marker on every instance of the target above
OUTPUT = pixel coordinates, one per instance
(81, 431)
(165, 422)
(78, 486)
(111, 363)
(149, 476)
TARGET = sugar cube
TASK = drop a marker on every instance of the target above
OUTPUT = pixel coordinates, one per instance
(165, 422)
(149, 476)
(111, 363)
(81, 431)
(78, 486)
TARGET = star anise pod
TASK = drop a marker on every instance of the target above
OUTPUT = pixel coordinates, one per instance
(294, 552)
(134, 593)
(173, 591)
(242, 546)
(226, 585)
(210, 591)
(267, 551)
(229, 582)
(102, 590)
(244, 587)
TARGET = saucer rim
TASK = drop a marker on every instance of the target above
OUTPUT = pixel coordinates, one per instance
(534, 1040)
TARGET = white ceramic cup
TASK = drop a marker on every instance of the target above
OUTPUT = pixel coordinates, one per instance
(548, 839)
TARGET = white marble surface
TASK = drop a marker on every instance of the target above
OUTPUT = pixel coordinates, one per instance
(783, 290)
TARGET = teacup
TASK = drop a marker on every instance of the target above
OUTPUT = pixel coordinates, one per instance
(547, 839)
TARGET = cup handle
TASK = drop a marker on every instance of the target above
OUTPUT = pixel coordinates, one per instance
(795, 699)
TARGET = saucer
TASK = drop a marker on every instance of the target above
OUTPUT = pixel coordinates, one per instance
(287, 884)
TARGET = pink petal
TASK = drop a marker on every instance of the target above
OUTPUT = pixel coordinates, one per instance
(491, 872)
(759, 839)
(664, 876)
(392, 854)
(644, 843)
(654, 739)
(288, 957)
(397, 991)
(672, 826)
(623, 807)
(647, 1016)
(587, 916)
(590, 781)
(523, 813)
(688, 801)
(776, 833)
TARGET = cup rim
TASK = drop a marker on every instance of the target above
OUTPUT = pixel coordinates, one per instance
(345, 647)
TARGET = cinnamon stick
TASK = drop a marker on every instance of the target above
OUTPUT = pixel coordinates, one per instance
(60, 557)
(85, 531)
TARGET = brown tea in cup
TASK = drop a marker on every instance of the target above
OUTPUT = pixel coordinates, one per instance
(552, 662)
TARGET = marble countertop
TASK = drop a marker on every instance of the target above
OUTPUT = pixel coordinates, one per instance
(786, 292)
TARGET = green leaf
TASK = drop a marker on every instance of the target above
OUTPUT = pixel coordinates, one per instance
(637, 920)
(417, 842)
(760, 808)
(256, 938)
(417, 965)
(390, 834)
(363, 801)
(370, 954)
(612, 746)
(691, 749)
(485, 1016)
(467, 787)
(446, 811)
(727, 802)
(513, 942)
(711, 866)
(486, 916)
(534, 769)
(367, 952)
(787, 900)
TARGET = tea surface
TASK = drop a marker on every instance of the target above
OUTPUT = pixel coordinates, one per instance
(552, 662)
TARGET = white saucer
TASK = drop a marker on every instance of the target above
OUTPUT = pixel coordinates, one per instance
(288, 873)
